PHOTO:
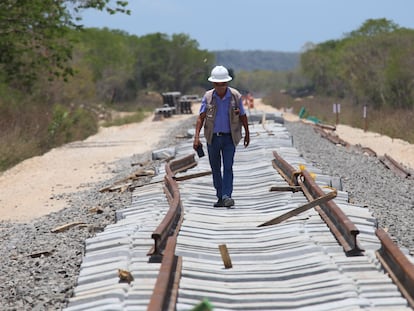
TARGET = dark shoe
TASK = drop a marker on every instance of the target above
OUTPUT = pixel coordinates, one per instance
(228, 202)
(219, 203)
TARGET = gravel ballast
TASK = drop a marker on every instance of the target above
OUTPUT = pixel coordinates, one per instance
(39, 268)
(368, 182)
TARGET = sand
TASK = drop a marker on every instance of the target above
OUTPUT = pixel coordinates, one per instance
(31, 188)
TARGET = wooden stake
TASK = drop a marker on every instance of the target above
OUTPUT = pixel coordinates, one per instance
(225, 256)
(300, 209)
(68, 226)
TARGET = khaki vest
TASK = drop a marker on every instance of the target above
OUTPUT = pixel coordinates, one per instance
(235, 123)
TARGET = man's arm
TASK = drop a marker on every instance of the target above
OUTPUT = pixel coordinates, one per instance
(245, 124)
(199, 125)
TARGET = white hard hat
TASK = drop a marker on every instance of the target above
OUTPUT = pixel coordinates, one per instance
(219, 74)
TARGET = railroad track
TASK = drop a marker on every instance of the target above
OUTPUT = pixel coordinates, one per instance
(292, 242)
(326, 131)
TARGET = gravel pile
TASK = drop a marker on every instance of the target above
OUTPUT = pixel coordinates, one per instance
(39, 268)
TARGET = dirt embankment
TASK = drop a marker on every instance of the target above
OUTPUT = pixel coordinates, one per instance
(31, 189)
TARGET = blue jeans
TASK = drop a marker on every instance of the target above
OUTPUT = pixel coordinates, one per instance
(222, 149)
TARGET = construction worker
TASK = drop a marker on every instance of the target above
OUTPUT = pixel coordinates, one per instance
(223, 115)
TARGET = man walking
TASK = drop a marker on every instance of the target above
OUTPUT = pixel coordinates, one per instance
(222, 114)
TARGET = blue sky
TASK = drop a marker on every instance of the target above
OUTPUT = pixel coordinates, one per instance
(272, 25)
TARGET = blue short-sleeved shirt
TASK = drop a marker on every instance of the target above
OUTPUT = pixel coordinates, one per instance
(222, 121)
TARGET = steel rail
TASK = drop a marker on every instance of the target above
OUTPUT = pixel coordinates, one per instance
(164, 229)
(320, 131)
(165, 291)
(341, 226)
(400, 269)
(181, 165)
(173, 267)
(395, 263)
(326, 126)
(387, 160)
(394, 166)
(164, 295)
(287, 171)
(368, 151)
(166, 288)
(333, 138)
(336, 139)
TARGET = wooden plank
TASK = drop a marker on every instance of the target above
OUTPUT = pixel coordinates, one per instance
(225, 256)
(68, 226)
(123, 184)
(286, 188)
(300, 209)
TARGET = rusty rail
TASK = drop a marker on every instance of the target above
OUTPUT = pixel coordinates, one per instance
(169, 223)
(325, 126)
(368, 151)
(341, 226)
(336, 139)
(394, 166)
(333, 138)
(285, 169)
(165, 291)
(181, 165)
(400, 269)
(388, 161)
(164, 295)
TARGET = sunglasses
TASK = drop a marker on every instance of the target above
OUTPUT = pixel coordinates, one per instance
(220, 83)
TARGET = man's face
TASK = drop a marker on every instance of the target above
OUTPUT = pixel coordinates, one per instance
(220, 87)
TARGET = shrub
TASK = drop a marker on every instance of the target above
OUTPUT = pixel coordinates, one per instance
(66, 126)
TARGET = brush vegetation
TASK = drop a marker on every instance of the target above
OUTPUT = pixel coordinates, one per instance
(395, 123)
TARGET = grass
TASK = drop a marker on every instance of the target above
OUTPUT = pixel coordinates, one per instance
(395, 123)
(132, 117)
(30, 127)
(25, 134)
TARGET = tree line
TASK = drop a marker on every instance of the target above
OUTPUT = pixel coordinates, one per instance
(373, 65)
(122, 65)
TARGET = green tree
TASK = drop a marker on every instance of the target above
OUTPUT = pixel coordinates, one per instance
(187, 64)
(322, 66)
(373, 65)
(32, 37)
(377, 63)
(374, 27)
(170, 63)
(110, 55)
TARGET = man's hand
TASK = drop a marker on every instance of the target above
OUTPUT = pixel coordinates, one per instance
(246, 139)
(245, 124)
(199, 125)
(196, 143)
